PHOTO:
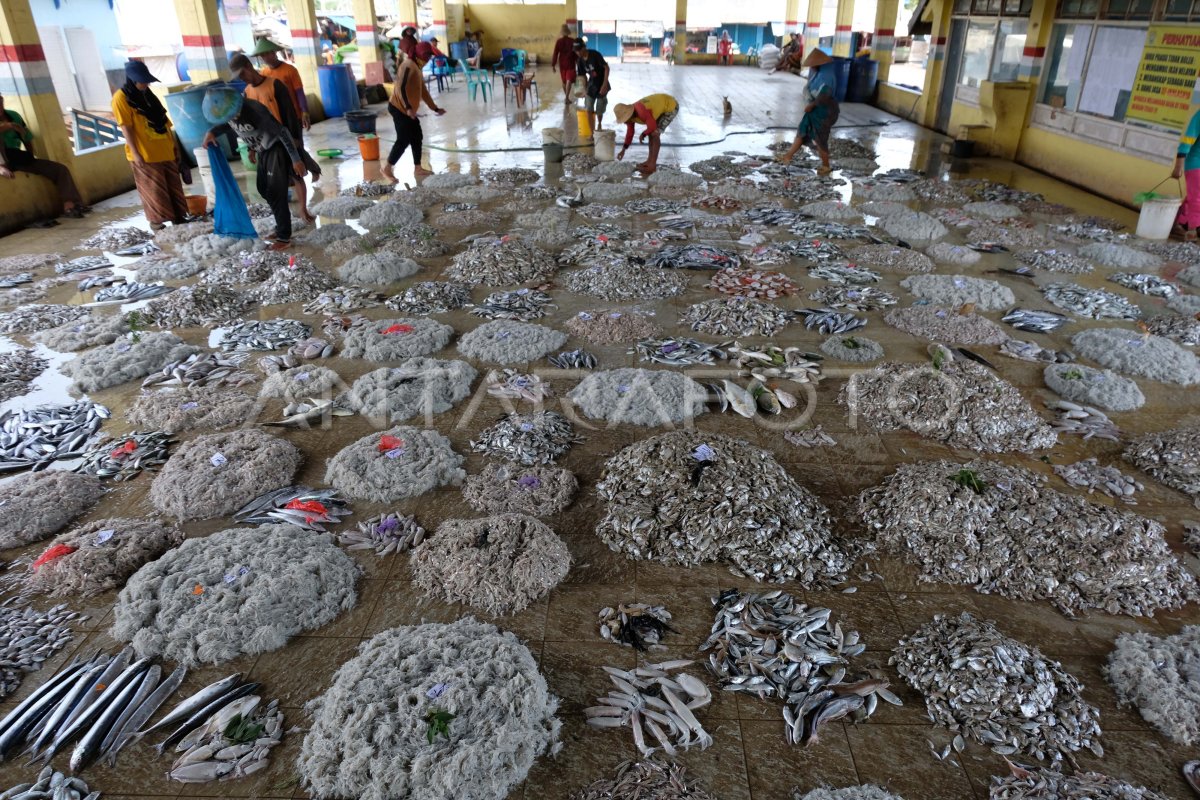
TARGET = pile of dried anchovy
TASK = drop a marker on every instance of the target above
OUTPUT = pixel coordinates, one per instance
(662, 504)
(1088, 474)
(1050, 784)
(26, 319)
(539, 437)
(636, 625)
(1173, 457)
(770, 645)
(519, 304)
(946, 325)
(610, 326)
(533, 490)
(1084, 421)
(758, 284)
(625, 281)
(997, 528)
(644, 780)
(197, 305)
(125, 457)
(341, 299)
(502, 262)
(203, 369)
(736, 316)
(679, 352)
(1006, 696)
(273, 334)
(661, 700)
(518, 386)
(892, 259)
(385, 534)
(27, 638)
(1094, 303)
(17, 370)
(854, 298)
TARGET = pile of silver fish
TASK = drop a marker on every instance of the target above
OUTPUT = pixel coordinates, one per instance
(1024, 319)
(539, 437)
(771, 215)
(17, 369)
(810, 437)
(736, 316)
(514, 385)
(844, 274)
(1172, 456)
(1006, 695)
(341, 299)
(678, 352)
(271, 334)
(431, 297)
(518, 304)
(610, 326)
(758, 284)
(1185, 330)
(125, 457)
(573, 359)
(595, 210)
(100, 702)
(1084, 421)
(197, 305)
(114, 238)
(636, 625)
(299, 282)
(203, 369)
(1050, 784)
(307, 508)
(817, 250)
(828, 320)
(772, 361)
(51, 785)
(131, 292)
(233, 743)
(36, 437)
(644, 780)
(367, 189)
(1145, 283)
(311, 348)
(12, 281)
(1054, 261)
(385, 534)
(771, 645)
(854, 298)
(1031, 351)
(82, 264)
(1094, 303)
(624, 280)
(27, 638)
(245, 268)
(657, 702)
(39, 317)
(502, 262)
(654, 205)
(818, 231)
(96, 280)
(694, 256)
(1088, 474)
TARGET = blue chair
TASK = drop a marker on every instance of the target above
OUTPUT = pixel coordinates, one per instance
(439, 68)
(506, 62)
(476, 79)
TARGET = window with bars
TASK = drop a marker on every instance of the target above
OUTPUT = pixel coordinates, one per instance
(1132, 10)
(993, 8)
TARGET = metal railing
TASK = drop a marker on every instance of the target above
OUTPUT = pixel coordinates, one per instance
(93, 131)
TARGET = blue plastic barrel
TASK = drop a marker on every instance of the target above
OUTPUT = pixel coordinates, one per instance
(187, 116)
(841, 70)
(864, 75)
(339, 92)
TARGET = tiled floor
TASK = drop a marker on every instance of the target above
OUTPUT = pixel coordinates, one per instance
(749, 759)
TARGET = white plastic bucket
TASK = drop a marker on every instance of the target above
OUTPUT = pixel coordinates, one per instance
(606, 142)
(552, 136)
(205, 170)
(1157, 217)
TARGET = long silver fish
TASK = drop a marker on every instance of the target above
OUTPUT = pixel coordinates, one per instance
(90, 743)
(114, 668)
(198, 700)
(201, 716)
(145, 711)
(147, 686)
(29, 711)
(82, 685)
(97, 708)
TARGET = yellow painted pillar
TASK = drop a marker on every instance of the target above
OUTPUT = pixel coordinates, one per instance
(367, 38)
(791, 19)
(936, 66)
(1041, 24)
(844, 25)
(408, 12)
(883, 45)
(571, 12)
(680, 50)
(26, 85)
(203, 44)
(438, 28)
(812, 26)
(306, 41)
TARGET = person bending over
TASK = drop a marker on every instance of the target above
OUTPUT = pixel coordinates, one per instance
(655, 111)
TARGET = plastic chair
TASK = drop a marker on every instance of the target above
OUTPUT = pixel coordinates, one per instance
(476, 79)
(504, 64)
(439, 70)
(752, 56)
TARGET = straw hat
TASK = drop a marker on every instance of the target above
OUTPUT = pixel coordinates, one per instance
(623, 112)
(263, 46)
(817, 58)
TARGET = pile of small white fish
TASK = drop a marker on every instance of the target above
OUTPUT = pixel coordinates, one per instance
(844, 274)
(771, 645)
(299, 282)
(678, 352)
(518, 304)
(235, 742)
(36, 437)
(1088, 474)
(771, 361)
(39, 317)
(637, 625)
(736, 316)
(271, 334)
(196, 305)
(828, 320)
(431, 297)
(811, 437)
(506, 261)
(1185, 330)
(17, 369)
(114, 238)
(124, 458)
(51, 785)
(385, 534)
(854, 298)
(514, 385)
(203, 369)
(1084, 421)
(1094, 303)
(1145, 283)
(1006, 695)
(307, 508)
(27, 638)
(131, 292)
(341, 299)
(539, 437)
(657, 702)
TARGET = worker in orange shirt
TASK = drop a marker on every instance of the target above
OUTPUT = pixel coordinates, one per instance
(274, 67)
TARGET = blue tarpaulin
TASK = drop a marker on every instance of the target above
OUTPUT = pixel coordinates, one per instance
(230, 216)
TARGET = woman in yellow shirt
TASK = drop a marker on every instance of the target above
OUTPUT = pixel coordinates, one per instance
(150, 147)
(656, 112)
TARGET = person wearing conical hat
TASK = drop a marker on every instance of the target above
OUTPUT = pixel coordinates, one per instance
(655, 111)
(285, 73)
(820, 111)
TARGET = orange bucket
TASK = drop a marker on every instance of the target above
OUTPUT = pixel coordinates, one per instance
(368, 145)
(197, 204)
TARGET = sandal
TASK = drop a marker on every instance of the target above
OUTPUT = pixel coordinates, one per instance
(72, 213)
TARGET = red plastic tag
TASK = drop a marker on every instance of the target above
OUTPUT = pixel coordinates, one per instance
(124, 450)
(57, 551)
(398, 328)
(387, 443)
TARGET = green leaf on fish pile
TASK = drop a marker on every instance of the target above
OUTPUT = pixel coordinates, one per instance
(967, 479)
(242, 731)
(439, 724)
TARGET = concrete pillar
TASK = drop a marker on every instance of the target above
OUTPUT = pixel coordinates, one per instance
(571, 12)
(25, 82)
(791, 19)
(680, 31)
(1041, 24)
(844, 25)
(364, 24)
(408, 13)
(439, 24)
(200, 24)
(306, 41)
(812, 26)
(936, 66)
(883, 46)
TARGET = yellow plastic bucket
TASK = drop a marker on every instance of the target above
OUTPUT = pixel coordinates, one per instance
(585, 130)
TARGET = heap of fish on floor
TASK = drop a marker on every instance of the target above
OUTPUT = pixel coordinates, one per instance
(579, 321)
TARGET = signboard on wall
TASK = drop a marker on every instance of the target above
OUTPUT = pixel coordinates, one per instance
(1166, 77)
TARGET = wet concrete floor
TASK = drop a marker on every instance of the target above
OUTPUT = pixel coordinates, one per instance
(749, 758)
